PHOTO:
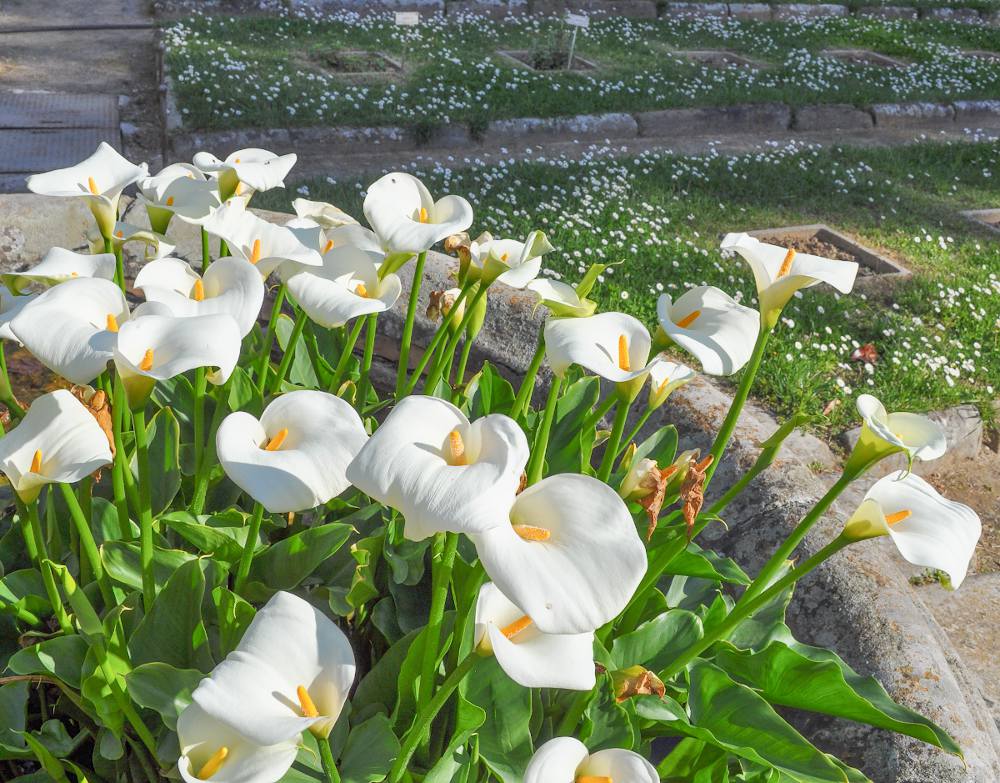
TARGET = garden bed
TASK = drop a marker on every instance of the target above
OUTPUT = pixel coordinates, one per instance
(717, 58)
(350, 62)
(543, 60)
(863, 57)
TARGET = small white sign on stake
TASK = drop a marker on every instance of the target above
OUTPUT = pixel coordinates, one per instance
(576, 20)
(407, 18)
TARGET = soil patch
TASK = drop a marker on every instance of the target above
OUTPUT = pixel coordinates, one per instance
(548, 59)
(819, 247)
(356, 62)
(864, 57)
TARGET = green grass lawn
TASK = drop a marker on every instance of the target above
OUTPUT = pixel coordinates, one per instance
(270, 71)
(661, 216)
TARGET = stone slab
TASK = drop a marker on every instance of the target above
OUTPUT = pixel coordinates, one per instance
(31, 151)
(583, 127)
(57, 110)
(695, 9)
(906, 115)
(833, 116)
(889, 12)
(751, 11)
(967, 15)
(633, 9)
(787, 11)
(976, 110)
(741, 118)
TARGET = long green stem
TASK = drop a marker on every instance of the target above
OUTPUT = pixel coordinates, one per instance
(599, 412)
(206, 253)
(430, 352)
(253, 534)
(463, 360)
(88, 545)
(145, 508)
(121, 473)
(35, 527)
(6, 392)
(205, 468)
(537, 462)
(326, 756)
(345, 354)
(744, 609)
(272, 327)
(289, 354)
(614, 440)
(635, 431)
(442, 562)
(411, 313)
(435, 373)
(571, 718)
(426, 715)
(366, 361)
(109, 247)
(200, 387)
(528, 382)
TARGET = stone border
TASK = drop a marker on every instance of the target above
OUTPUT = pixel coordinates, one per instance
(511, 56)
(990, 218)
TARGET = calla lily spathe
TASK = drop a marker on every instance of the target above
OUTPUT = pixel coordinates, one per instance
(179, 189)
(263, 244)
(58, 440)
(156, 245)
(230, 285)
(441, 471)
(158, 347)
(291, 672)
(528, 656)
(712, 326)
(779, 272)
(508, 261)
(664, 378)
(561, 299)
(567, 553)
(100, 179)
(72, 328)
(612, 345)
(929, 530)
(212, 750)
(296, 456)
(407, 219)
(58, 266)
(10, 307)
(345, 287)
(567, 760)
(920, 437)
(323, 214)
(251, 168)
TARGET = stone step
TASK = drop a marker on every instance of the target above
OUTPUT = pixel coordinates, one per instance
(57, 110)
(28, 151)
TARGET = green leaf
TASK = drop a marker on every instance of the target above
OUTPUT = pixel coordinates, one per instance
(164, 459)
(121, 560)
(489, 392)
(25, 589)
(162, 688)
(378, 687)
(468, 719)
(13, 715)
(606, 723)
(705, 564)
(810, 678)
(660, 447)
(223, 543)
(177, 393)
(233, 616)
(569, 444)
(56, 739)
(49, 763)
(301, 372)
(243, 395)
(62, 657)
(370, 750)
(284, 565)
(656, 643)
(505, 736)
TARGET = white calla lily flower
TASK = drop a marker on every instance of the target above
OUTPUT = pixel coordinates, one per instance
(567, 760)
(530, 657)
(292, 671)
(441, 471)
(100, 179)
(324, 214)
(567, 553)
(407, 219)
(251, 168)
(518, 263)
(58, 266)
(10, 308)
(296, 456)
(156, 245)
(929, 530)
(263, 244)
(664, 378)
(157, 347)
(58, 440)
(72, 328)
(560, 298)
(230, 285)
(212, 750)
(179, 189)
(779, 272)
(345, 287)
(920, 437)
(712, 326)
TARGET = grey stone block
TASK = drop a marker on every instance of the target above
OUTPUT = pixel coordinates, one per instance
(750, 11)
(695, 9)
(832, 116)
(635, 9)
(582, 126)
(184, 144)
(968, 15)
(905, 115)
(741, 118)
(976, 110)
(889, 12)
(784, 12)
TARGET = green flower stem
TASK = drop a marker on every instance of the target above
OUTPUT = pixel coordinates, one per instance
(783, 552)
(223, 248)
(615, 439)
(124, 478)
(200, 387)
(6, 392)
(572, 716)
(430, 352)
(536, 463)
(88, 545)
(732, 417)
(426, 716)
(528, 382)
(411, 313)
(463, 359)
(42, 556)
(366, 361)
(206, 253)
(248, 549)
(109, 247)
(346, 352)
(20, 613)
(205, 468)
(289, 355)
(326, 756)
(599, 412)
(145, 508)
(437, 369)
(743, 610)
(442, 562)
(312, 349)
(635, 431)
(272, 326)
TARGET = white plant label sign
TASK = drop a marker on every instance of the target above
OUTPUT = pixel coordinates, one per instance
(407, 18)
(574, 20)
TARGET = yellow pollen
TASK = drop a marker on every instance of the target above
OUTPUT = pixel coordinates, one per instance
(239, 189)
(423, 214)
(211, 766)
(120, 234)
(456, 448)
(308, 708)
(594, 779)
(236, 161)
(361, 290)
(623, 357)
(147, 361)
(170, 201)
(516, 627)
(688, 319)
(255, 252)
(275, 443)
(92, 185)
(74, 274)
(198, 292)
(504, 258)
(112, 324)
(899, 516)
(786, 265)
(532, 533)
(329, 246)
(36, 462)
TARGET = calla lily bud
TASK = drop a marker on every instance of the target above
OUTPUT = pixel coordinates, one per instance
(664, 378)
(646, 483)
(441, 304)
(561, 299)
(636, 681)
(586, 285)
(884, 434)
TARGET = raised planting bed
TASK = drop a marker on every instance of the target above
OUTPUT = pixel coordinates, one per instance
(982, 54)
(356, 62)
(984, 217)
(874, 269)
(546, 60)
(717, 58)
(863, 57)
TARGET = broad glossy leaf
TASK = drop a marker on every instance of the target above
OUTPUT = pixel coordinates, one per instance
(224, 543)
(504, 739)
(233, 615)
(655, 643)
(162, 688)
(25, 589)
(694, 761)
(62, 657)
(164, 434)
(661, 446)
(606, 723)
(301, 372)
(569, 445)
(468, 718)
(489, 392)
(121, 560)
(284, 565)
(13, 715)
(370, 750)
(705, 564)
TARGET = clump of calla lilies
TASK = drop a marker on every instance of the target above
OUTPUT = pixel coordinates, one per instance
(240, 549)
